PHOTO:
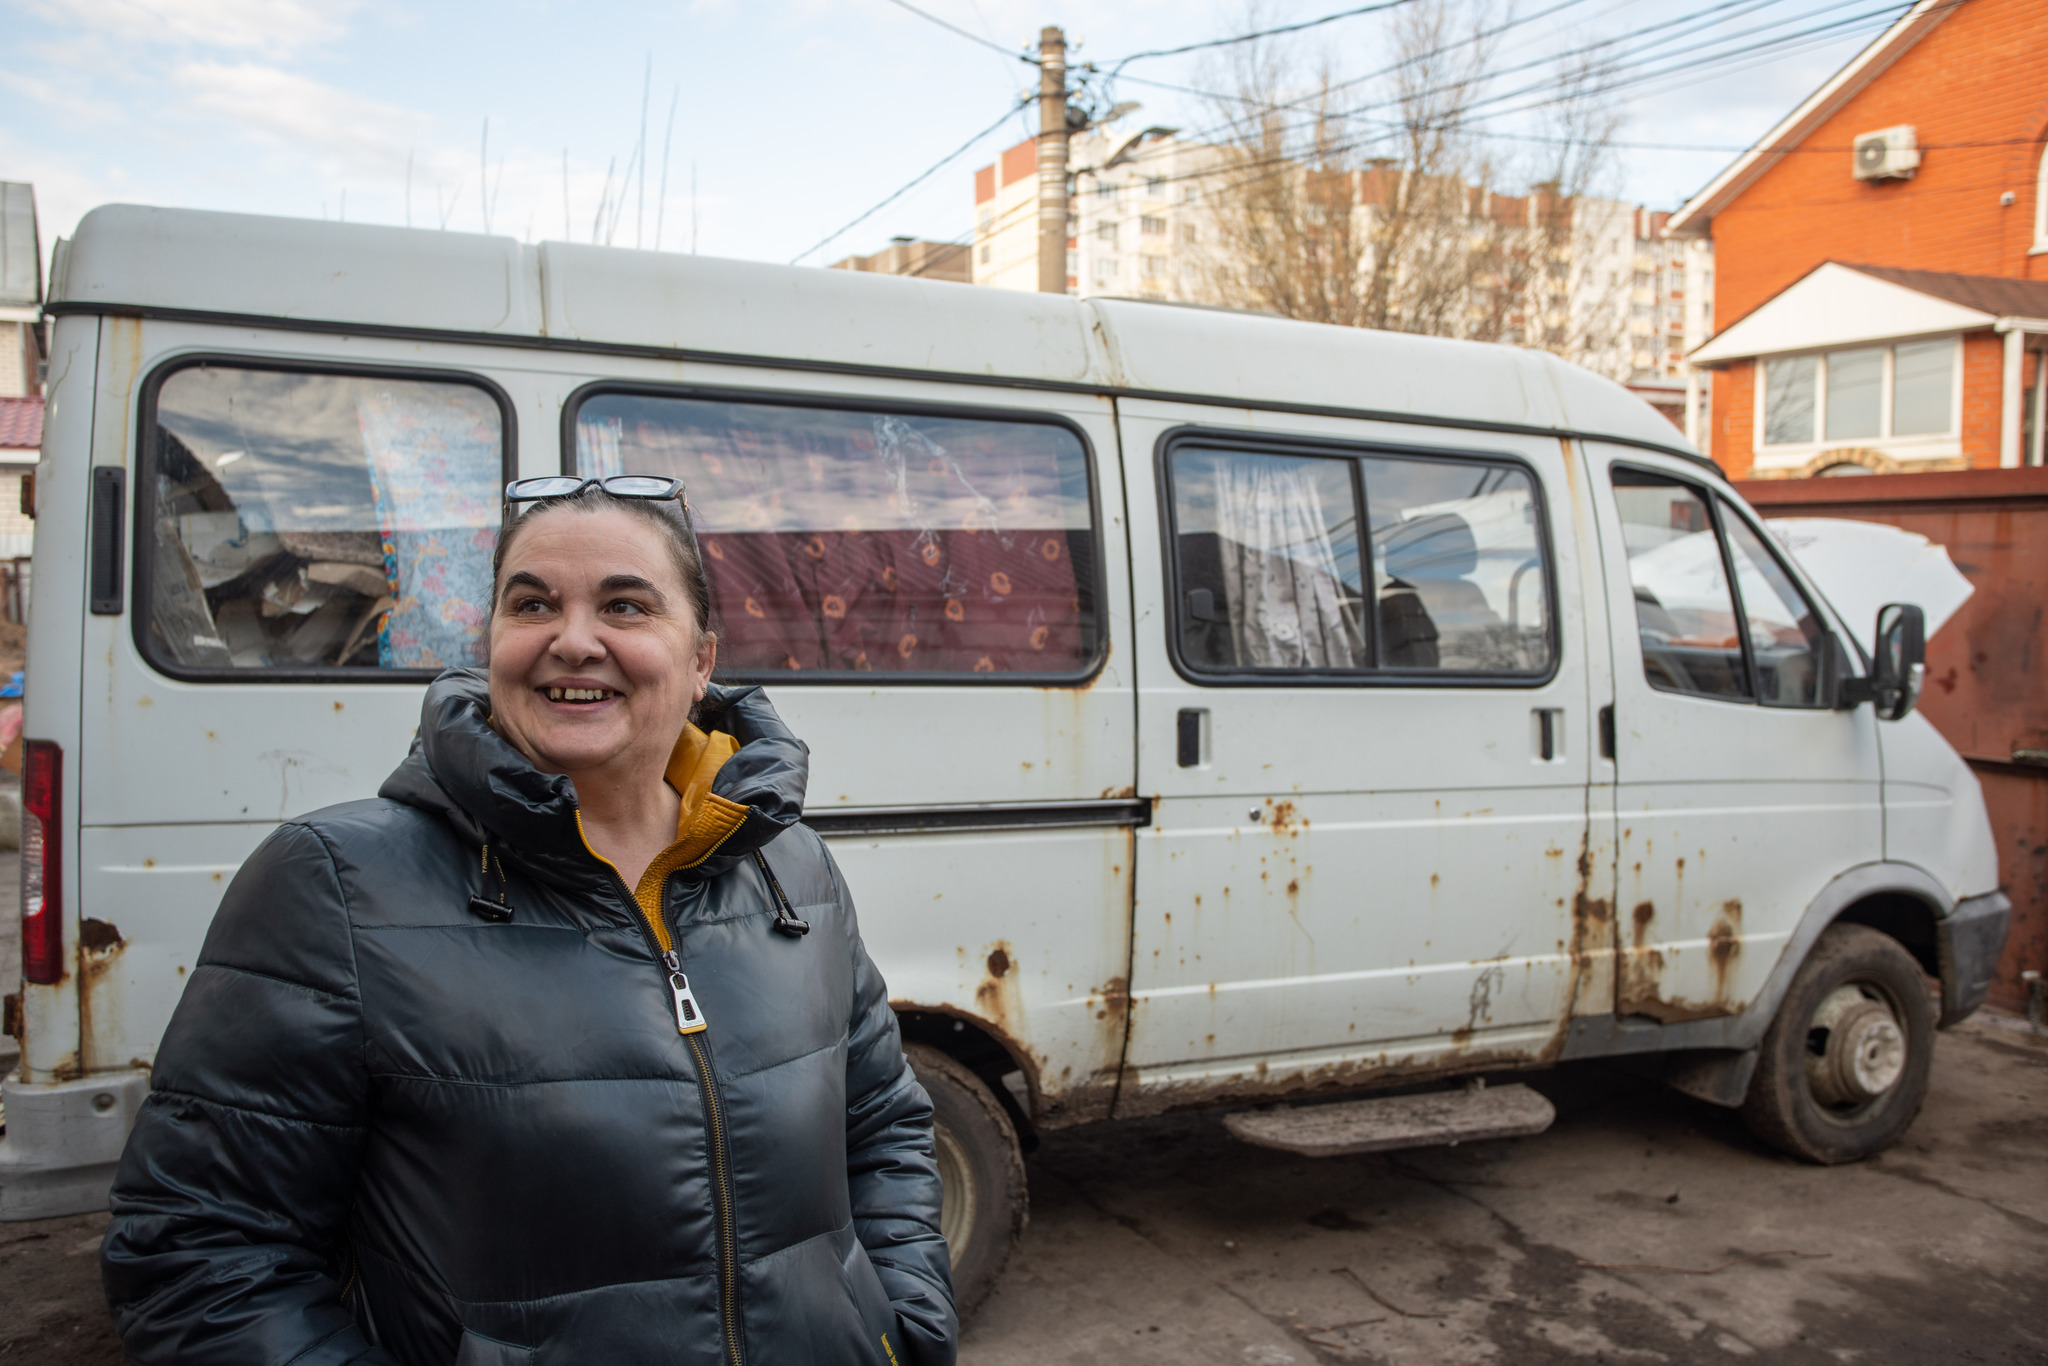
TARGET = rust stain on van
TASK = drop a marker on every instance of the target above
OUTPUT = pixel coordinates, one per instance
(1268, 1082)
(1112, 1002)
(996, 994)
(1644, 990)
(99, 953)
(1641, 966)
(1724, 947)
(98, 936)
(1284, 818)
(1591, 951)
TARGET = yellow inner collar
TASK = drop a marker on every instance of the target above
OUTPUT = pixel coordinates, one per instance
(705, 822)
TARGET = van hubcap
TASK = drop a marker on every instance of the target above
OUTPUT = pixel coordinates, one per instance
(956, 1180)
(1855, 1049)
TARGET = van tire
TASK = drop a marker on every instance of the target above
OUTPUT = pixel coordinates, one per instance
(977, 1148)
(1843, 1069)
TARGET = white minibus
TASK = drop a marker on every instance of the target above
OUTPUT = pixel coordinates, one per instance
(1206, 709)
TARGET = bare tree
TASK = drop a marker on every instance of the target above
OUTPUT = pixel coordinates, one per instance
(1322, 211)
(1283, 207)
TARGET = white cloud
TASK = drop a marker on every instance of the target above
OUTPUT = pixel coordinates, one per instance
(351, 135)
(270, 27)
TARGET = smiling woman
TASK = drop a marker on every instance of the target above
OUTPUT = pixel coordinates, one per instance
(533, 1057)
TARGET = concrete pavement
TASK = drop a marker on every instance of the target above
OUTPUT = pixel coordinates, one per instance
(1643, 1227)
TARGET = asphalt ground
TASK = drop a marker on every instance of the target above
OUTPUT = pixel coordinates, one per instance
(1644, 1227)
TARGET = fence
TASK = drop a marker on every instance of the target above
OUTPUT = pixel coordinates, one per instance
(1984, 688)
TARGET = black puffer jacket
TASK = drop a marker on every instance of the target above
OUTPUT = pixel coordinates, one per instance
(387, 1129)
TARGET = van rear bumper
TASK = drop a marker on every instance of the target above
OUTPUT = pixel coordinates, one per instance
(1969, 940)
(63, 1142)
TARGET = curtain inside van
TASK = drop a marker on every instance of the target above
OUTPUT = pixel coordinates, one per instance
(855, 541)
(1280, 575)
(434, 468)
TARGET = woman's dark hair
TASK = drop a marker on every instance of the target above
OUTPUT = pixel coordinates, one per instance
(667, 514)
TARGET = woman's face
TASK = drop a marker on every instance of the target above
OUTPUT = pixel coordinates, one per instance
(596, 656)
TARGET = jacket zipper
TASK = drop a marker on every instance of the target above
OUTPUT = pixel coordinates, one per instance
(690, 1023)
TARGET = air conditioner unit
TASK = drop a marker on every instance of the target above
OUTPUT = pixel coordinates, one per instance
(1887, 154)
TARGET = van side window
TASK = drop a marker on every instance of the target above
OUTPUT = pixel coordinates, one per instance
(1273, 573)
(1268, 557)
(1458, 573)
(1685, 611)
(1785, 633)
(841, 541)
(294, 520)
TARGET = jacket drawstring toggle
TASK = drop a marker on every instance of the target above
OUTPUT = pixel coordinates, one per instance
(786, 921)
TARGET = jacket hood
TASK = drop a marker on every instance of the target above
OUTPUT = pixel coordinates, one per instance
(461, 769)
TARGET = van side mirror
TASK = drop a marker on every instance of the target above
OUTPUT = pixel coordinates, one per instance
(1899, 668)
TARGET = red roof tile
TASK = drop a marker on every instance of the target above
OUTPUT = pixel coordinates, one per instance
(21, 423)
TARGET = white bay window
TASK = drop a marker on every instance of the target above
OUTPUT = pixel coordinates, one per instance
(1869, 395)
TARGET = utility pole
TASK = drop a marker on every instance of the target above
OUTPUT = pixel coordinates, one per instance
(1052, 161)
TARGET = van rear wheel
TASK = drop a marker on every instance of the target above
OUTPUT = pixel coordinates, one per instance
(982, 1168)
(1844, 1067)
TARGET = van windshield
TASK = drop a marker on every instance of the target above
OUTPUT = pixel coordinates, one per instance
(300, 520)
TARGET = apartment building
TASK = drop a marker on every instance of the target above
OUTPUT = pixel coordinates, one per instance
(914, 256)
(1137, 227)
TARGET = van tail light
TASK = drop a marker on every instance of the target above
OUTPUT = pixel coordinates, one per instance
(42, 862)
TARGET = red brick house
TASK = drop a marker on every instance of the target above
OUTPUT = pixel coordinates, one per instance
(1881, 259)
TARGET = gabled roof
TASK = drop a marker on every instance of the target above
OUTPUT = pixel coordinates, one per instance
(1993, 294)
(21, 424)
(1836, 304)
(1695, 219)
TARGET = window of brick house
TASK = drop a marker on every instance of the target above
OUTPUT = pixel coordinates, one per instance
(1869, 393)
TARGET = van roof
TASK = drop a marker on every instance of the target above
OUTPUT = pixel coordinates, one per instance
(313, 275)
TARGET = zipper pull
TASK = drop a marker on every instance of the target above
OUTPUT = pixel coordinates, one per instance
(689, 1016)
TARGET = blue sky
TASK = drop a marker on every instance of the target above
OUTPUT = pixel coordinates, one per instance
(796, 114)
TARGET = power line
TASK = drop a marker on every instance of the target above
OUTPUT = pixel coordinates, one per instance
(1759, 52)
(1122, 62)
(1722, 8)
(1703, 19)
(970, 37)
(1773, 49)
(923, 176)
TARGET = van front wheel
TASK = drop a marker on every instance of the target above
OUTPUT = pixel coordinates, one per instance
(982, 1169)
(1843, 1069)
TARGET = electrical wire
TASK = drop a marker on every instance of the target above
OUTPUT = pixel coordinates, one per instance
(1122, 62)
(1641, 50)
(1755, 54)
(970, 37)
(918, 180)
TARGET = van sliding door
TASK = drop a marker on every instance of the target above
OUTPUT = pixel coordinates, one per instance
(1364, 708)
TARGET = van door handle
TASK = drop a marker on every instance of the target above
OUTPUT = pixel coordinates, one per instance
(109, 483)
(1188, 727)
(1549, 737)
